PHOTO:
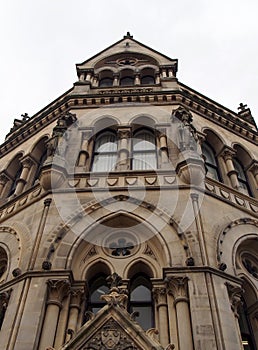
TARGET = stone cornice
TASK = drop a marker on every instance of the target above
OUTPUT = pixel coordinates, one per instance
(70, 100)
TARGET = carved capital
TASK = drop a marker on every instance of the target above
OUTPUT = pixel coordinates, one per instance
(177, 286)
(228, 153)
(124, 133)
(254, 168)
(57, 291)
(77, 296)
(27, 162)
(235, 294)
(160, 295)
(4, 178)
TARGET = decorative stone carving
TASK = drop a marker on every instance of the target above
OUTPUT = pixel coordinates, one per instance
(235, 294)
(177, 286)
(188, 138)
(56, 144)
(111, 336)
(116, 296)
(57, 291)
(160, 294)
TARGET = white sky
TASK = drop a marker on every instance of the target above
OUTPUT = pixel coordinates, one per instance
(216, 43)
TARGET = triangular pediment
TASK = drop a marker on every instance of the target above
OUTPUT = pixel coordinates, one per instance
(127, 50)
(113, 328)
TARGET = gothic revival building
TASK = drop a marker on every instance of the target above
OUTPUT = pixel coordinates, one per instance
(129, 215)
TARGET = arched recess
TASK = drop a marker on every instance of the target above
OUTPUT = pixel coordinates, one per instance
(230, 239)
(83, 226)
(118, 239)
(237, 249)
(212, 147)
(243, 164)
(11, 247)
(38, 155)
(13, 171)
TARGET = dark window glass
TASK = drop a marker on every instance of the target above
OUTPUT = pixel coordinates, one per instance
(241, 176)
(148, 80)
(141, 301)
(127, 81)
(245, 328)
(106, 82)
(210, 162)
(16, 178)
(41, 161)
(97, 287)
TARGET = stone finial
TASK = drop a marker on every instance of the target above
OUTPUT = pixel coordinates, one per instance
(114, 281)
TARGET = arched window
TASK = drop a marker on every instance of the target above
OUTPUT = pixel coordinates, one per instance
(3, 262)
(147, 80)
(144, 151)
(106, 82)
(242, 180)
(105, 152)
(210, 162)
(141, 301)
(41, 161)
(127, 81)
(97, 287)
(16, 178)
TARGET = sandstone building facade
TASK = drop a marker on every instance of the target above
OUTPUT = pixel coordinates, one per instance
(129, 215)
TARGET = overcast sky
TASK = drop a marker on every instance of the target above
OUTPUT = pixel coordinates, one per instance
(216, 43)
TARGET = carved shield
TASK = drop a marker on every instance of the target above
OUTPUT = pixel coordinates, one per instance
(110, 338)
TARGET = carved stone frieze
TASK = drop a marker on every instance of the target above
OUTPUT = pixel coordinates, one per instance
(111, 336)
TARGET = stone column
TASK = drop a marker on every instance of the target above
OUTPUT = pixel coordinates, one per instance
(137, 80)
(116, 80)
(123, 149)
(160, 297)
(235, 293)
(177, 286)
(35, 249)
(27, 163)
(57, 291)
(84, 153)
(3, 181)
(163, 148)
(88, 76)
(76, 296)
(157, 78)
(228, 154)
(254, 170)
(199, 226)
(82, 76)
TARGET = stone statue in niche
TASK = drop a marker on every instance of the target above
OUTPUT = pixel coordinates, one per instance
(58, 142)
(187, 134)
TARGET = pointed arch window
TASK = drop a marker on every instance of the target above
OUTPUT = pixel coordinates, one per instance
(105, 152)
(210, 162)
(144, 151)
(97, 287)
(141, 301)
(242, 180)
